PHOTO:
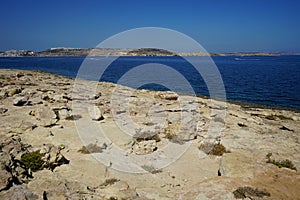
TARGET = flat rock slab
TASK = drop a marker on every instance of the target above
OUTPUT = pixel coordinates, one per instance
(45, 116)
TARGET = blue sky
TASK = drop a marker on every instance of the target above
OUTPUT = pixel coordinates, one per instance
(218, 25)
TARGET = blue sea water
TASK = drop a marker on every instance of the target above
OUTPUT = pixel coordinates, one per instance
(273, 81)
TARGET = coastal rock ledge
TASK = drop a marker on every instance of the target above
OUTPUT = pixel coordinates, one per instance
(254, 155)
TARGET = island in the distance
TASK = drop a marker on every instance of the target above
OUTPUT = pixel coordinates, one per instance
(62, 51)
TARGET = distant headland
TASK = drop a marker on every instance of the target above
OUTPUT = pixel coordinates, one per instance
(62, 51)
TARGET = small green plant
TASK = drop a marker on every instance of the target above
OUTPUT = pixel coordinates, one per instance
(109, 181)
(33, 160)
(283, 163)
(151, 169)
(249, 192)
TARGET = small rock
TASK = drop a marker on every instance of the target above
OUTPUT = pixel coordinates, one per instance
(167, 95)
(59, 98)
(286, 129)
(5, 179)
(295, 118)
(145, 147)
(3, 94)
(95, 96)
(95, 113)
(11, 171)
(29, 91)
(146, 135)
(45, 97)
(3, 110)
(19, 74)
(64, 114)
(12, 91)
(52, 157)
(19, 192)
(240, 124)
(20, 101)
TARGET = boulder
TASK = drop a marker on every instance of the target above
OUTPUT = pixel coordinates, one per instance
(52, 157)
(12, 171)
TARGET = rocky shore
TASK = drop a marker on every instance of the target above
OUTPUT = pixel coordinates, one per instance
(48, 149)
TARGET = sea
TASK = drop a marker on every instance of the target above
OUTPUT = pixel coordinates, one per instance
(263, 80)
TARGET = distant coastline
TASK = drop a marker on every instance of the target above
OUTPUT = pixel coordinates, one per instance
(62, 51)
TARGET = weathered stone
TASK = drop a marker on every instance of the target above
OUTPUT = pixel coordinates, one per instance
(117, 190)
(46, 116)
(64, 114)
(52, 157)
(20, 101)
(3, 110)
(28, 91)
(146, 134)
(12, 91)
(236, 165)
(59, 98)
(188, 128)
(19, 192)
(145, 147)
(95, 113)
(167, 95)
(11, 170)
(3, 94)
(19, 74)
(5, 178)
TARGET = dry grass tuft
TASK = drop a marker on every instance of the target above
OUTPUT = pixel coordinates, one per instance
(249, 192)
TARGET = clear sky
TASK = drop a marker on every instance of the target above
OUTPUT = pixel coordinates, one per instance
(218, 25)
